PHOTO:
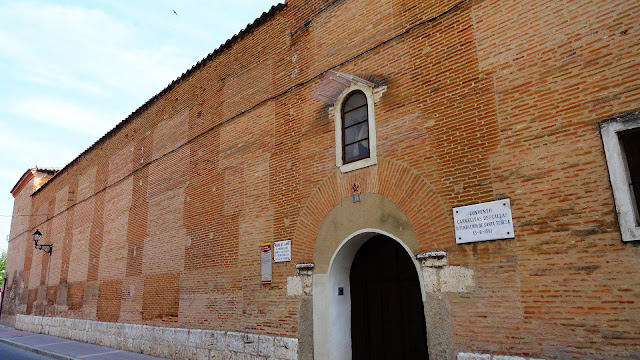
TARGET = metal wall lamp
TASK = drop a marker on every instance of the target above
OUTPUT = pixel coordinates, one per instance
(48, 248)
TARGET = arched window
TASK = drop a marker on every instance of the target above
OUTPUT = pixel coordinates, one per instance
(355, 128)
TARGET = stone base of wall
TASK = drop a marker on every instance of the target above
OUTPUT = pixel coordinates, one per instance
(473, 356)
(173, 343)
(8, 320)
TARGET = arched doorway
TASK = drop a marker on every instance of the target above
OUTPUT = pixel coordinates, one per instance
(332, 294)
(387, 314)
(344, 230)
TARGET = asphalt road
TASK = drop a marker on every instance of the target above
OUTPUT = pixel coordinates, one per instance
(8, 352)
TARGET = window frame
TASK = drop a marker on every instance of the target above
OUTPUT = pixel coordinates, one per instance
(339, 133)
(344, 128)
(610, 130)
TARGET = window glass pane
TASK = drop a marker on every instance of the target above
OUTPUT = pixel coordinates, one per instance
(631, 144)
(354, 101)
(357, 151)
(355, 116)
(357, 132)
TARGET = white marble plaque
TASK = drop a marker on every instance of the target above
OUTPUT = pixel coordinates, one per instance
(282, 251)
(485, 221)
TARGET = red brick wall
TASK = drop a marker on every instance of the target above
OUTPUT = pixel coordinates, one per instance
(160, 223)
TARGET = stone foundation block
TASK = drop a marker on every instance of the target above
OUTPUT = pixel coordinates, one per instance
(202, 354)
(430, 276)
(215, 355)
(181, 335)
(456, 279)
(251, 343)
(133, 331)
(220, 340)
(286, 348)
(265, 346)
(472, 356)
(294, 286)
(168, 335)
(235, 342)
(195, 338)
(208, 339)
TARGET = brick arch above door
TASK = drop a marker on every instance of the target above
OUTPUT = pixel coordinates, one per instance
(395, 198)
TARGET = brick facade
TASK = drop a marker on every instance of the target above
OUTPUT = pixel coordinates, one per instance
(159, 222)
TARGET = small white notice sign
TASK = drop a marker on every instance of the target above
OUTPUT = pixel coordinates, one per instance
(485, 221)
(282, 251)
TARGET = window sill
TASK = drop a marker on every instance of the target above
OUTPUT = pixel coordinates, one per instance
(358, 164)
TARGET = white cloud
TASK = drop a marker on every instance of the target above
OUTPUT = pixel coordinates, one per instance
(66, 115)
(11, 175)
(52, 76)
(28, 151)
(19, 151)
(85, 49)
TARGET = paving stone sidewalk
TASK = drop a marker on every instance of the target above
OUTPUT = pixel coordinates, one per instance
(64, 349)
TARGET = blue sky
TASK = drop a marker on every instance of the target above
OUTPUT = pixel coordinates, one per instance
(71, 70)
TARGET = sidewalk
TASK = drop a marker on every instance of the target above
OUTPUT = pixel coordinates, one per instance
(64, 349)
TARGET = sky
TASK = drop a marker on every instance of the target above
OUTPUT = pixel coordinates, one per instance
(71, 70)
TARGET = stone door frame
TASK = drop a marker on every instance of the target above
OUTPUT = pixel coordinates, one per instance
(332, 312)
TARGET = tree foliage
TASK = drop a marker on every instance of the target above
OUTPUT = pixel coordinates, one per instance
(3, 261)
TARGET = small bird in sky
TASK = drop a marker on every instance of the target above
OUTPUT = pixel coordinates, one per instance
(174, 12)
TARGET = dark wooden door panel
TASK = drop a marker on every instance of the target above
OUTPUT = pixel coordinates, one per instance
(387, 317)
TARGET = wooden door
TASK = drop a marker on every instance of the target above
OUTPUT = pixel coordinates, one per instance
(387, 315)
